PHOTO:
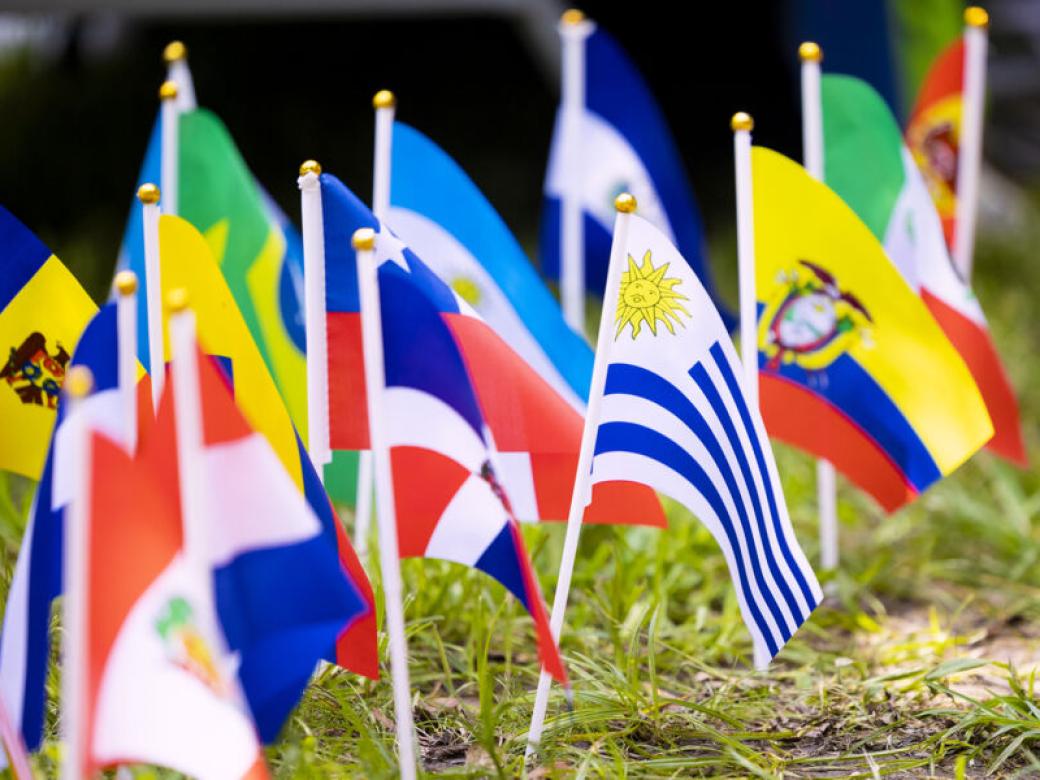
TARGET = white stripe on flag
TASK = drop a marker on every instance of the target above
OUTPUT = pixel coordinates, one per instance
(470, 523)
(418, 419)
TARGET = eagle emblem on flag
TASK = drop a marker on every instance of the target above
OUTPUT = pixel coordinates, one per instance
(34, 373)
(186, 647)
(812, 321)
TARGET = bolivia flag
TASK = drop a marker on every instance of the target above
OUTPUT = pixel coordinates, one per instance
(853, 367)
(870, 168)
(43, 311)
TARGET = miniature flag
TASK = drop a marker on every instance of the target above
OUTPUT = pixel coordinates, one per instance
(934, 130)
(627, 147)
(535, 432)
(875, 174)
(849, 355)
(37, 577)
(188, 264)
(675, 417)
(153, 635)
(450, 503)
(43, 311)
(438, 210)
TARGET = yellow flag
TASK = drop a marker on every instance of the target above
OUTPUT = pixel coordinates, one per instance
(43, 311)
(853, 367)
(188, 263)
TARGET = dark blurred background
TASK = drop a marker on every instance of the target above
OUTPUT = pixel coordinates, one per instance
(293, 79)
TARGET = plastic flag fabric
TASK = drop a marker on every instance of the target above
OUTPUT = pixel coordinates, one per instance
(535, 432)
(247, 236)
(675, 417)
(153, 631)
(37, 578)
(849, 355)
(438, 211)
(43, 311)
(868, 165)
(450, 503)
(933, 132)
(222, 332)
(627, 147)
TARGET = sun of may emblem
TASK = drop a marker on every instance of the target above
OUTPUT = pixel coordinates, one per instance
(648, 296)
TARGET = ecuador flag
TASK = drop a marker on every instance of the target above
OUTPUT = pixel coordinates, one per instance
(43, 311)
(853, 367)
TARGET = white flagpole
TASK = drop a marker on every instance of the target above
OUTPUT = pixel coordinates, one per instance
(169, 157)
(574, 28)
(812, 148)
(389, 557)
(78, 384)
(175, 55)
(188, 416)
(126, 361)
(148, 194)
(742, 125)
(314, 312)
(969, 157)
(385, 105)
(625, 204)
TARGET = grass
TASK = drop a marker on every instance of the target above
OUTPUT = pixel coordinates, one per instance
(921, 663)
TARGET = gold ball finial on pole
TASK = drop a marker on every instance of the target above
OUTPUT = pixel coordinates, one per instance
(572, 16)
(174, 51)
(148, 193)
(742, 121)
(168, 90)
(310, 166)
(384, 98)
(974, 16)
(810, 51)
(625, 203)
(79, 382)
(126, 283)
(177, 300)
(364, 238)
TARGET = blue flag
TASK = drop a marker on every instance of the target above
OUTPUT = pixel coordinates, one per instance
(626, 147)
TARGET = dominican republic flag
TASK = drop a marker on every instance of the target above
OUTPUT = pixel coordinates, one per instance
(437, 210)
(626, 147)
(535, 432)
(676, 418)
(37, 578)
(161, 686)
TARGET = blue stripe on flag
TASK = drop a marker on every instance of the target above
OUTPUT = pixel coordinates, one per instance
(639, 440)
(342, 213)
(23, 256)
(632, 380)
(738, 398)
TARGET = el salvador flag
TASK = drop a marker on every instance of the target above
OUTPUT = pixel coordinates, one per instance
(437, 210)
(37, 579)
(675, 417)
(626, 147)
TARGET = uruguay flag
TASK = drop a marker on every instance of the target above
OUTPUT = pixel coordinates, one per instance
(626, 147)
(675, 417)
(534, 431)
(437, 210)
(37, 578)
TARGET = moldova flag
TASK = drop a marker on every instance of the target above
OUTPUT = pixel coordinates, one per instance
(43, 311)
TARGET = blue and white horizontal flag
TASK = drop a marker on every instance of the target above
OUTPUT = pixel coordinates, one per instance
(626, 147)
(36, 582)
(675, 417)
(437, 210)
